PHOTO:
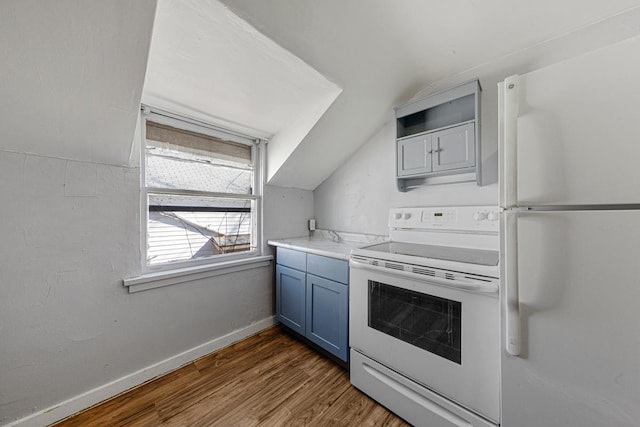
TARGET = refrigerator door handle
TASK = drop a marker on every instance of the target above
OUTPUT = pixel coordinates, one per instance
(509, 143)
(511, 299)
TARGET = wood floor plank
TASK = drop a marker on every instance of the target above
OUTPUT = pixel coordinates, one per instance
(248, 410)
(146, 417)
(270, 379)
(242, 349)
(126, 405)
(237, 372)
(355, 408)
(300, 409)
(230, 395)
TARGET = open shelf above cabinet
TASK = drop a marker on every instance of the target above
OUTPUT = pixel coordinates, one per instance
(438, 138)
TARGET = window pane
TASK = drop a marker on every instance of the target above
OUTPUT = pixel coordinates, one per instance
(186, 227)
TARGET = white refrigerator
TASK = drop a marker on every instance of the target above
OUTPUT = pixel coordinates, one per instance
(569, 145)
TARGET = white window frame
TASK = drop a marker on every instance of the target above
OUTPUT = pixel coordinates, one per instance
(220, 262)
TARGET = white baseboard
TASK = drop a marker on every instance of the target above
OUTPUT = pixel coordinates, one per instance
(85, 400)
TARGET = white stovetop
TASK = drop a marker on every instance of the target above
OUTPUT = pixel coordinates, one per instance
(329, 243)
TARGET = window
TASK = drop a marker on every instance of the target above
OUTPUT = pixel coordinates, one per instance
(201, 190)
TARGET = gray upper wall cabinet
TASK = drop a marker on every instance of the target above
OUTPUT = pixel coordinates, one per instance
(437, 138)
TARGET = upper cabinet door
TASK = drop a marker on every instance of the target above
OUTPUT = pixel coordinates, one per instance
(414, 155)
(454, 148)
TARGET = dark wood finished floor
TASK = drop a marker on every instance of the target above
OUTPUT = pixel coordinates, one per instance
(269, 379)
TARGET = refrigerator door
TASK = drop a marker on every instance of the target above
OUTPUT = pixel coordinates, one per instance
(576, 126)
(579, 301)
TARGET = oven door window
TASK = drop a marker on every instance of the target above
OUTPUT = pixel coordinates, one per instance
(431, 323)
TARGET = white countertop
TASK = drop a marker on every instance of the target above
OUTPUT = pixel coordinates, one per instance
(329, 243)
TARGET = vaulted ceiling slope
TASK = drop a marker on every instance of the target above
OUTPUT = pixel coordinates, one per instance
(208, 64)
(316, 77)
(71, 75)
(382, 52)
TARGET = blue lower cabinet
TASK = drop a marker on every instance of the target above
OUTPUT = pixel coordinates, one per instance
(290, 298)
(327, 315)
(312, 298)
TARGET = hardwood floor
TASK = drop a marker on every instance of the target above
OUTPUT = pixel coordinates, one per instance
(269, 379)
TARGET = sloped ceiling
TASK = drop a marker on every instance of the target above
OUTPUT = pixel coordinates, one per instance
(208, 64)
(382, 52)
(317, 78)
(71, 74)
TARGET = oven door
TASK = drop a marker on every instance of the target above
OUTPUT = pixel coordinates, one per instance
(444, 338)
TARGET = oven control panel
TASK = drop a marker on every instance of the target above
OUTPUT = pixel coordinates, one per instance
(460, 218)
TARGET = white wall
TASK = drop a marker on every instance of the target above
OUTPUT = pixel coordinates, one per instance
(286, 211)
(358, 196)
(71, 69)
(70, 229)
(70, 234)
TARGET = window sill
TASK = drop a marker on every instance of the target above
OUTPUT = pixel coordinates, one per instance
(171, 277)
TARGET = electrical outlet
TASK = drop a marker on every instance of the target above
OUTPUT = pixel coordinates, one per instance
(312, 224)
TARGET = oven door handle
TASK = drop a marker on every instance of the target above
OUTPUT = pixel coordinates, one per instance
(471, 285)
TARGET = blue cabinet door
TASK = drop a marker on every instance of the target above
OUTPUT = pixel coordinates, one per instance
(290, 298)
(328, 315)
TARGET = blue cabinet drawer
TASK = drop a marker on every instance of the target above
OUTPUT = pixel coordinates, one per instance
(331, 268)
(291, 258)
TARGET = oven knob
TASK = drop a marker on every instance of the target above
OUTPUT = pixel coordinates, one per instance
(407, 216)
(479, 216)
(398, 215)
(493, 216)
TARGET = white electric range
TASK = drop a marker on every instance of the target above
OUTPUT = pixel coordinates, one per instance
(424, 316)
